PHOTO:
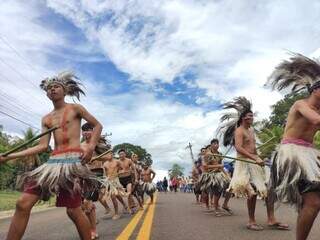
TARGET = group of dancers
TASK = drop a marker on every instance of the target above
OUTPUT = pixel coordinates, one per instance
(295, 171)
(78, 173)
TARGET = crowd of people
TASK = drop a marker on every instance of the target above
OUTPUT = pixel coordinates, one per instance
(181, 184)
(79, 175)
(293, 174)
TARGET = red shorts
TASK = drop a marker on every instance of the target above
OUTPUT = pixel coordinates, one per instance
(64, 199)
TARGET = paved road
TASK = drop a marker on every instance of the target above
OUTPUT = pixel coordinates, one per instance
(172, 217)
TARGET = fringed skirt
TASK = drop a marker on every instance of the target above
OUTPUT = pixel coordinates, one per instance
(113, 187)
(248, 179)
(149, 188)
(295, 170)
(214, 182)
(63, 171)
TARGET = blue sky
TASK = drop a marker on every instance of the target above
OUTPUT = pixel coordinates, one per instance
(155, 72)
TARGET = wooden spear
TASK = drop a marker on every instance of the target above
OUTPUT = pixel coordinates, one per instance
(100, 156)
(264, 144)
(30, 141)
(234, 158)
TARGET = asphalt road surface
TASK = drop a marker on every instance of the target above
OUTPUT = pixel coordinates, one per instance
(173, 216)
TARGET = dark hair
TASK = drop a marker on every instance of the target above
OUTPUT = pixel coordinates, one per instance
(242, 115)
(122, 150)
(87, 127)
(215, 140)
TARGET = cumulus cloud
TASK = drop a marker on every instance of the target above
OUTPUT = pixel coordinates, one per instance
(230, 46)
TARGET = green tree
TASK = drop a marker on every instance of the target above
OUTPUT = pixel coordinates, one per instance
(270, 138)
(281, 108)
(175, 171)
(142, 153)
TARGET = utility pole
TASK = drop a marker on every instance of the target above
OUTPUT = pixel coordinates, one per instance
(191, 153)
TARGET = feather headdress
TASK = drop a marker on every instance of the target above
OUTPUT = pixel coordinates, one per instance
(299, 72)
(69, 82)
(230, 120)
(103, 145)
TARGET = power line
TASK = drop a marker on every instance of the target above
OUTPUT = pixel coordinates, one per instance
(21, 89)
(16, 104)
(18, 54)
(18, 73)
(19, 120)
(7, 108)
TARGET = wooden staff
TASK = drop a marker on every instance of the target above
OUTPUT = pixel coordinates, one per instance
(100, 156)
(264, 144)
(30, 141)
(234, 158)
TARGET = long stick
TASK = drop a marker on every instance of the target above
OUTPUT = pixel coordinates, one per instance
(99, 156)
(233, 158)
(30, 141)
(264, 144)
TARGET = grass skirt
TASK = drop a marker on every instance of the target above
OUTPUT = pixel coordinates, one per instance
(113, 187)
(61, 171)
(215, 182)
(248, 179)
(295, 170)
(149, 188)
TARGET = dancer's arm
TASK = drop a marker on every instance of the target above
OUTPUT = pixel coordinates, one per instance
(41, 147)
(97, 128)
(310, 114)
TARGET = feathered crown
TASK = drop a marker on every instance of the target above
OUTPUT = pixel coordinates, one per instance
(103, 145)
(69, 82)
(230, 120)
(300, 72)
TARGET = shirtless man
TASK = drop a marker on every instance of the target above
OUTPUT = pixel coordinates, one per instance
(297, 160)
(125, 175)
(245, 145)
(66, 152)
(195, 177)
(92, 195)
(137, 189)
(147, 176)
(112, 168)
(217, 166)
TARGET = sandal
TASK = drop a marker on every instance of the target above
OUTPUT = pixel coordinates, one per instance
(218, 213)
(254, 227)
(228, 210)
(279, 226)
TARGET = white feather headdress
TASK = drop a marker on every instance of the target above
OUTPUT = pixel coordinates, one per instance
(299, 72)
(69, 82)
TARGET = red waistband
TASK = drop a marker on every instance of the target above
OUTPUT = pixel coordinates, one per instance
(66, 150)
(297, 141)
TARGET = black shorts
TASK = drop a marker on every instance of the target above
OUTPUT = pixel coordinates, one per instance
(305, 186)
(125, 180)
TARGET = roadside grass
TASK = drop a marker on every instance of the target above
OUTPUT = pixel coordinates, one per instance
(8, 200)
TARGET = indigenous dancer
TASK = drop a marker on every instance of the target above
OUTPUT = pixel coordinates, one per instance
(147, 175)
(62, 173)
(92, 194)
(295, 173)
(125, 175)
(112, 184)
(220, 179)
(248, 178)
(196, 172)
(213, 181)
(137, 191)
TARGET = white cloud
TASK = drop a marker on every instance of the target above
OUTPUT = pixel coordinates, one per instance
(231, 46)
